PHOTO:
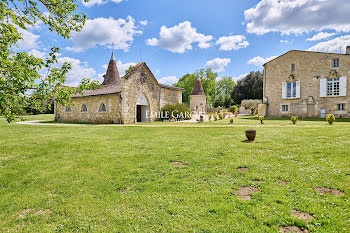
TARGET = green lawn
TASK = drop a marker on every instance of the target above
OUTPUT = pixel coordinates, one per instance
(89, 178)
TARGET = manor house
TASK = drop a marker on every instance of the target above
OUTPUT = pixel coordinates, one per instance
(123, 100)
(307, 84)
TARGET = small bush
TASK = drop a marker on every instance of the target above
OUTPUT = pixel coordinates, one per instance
(294, 119)
(231, 120)
(176, 111)
(220, 116)
(210, 117)
(261, 119)
(234, 108)
(215, 117)
(330, 118)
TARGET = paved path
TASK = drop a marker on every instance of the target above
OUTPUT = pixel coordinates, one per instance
(189, 125)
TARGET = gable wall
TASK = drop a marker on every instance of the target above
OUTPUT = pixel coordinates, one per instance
(169, 96)
(140, 82)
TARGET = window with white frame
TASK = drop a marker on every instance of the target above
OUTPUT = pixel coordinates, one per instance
(341, 107)
(291, 90)
(333, 87)
(335, 62)
(285, 108)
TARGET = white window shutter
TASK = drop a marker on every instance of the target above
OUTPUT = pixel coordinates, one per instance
(284, 90)
(298, 89)
(342, 86)
(323, 87)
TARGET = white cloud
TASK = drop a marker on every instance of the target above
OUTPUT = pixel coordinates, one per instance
(321, 36)
(98, 2)
(335, 45)
(105, 31)
(228, 43)
(168, 80)
(298, 16)
(239, 77)
(29, 41)
(259, 61)
(144, 22)
(37, 53)
(179, 38)
(284, 41)
(122, 67)
(218, 64)
(79, 70)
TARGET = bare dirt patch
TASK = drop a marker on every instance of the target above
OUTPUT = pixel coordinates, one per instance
(42, 212)
(293, 229)
(243, 169)
(244, 192)
(177, 164)
(24, 213)
(334, 192)
(305, 216)
(282, 182)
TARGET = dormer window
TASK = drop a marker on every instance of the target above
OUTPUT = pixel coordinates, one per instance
(102, 108)
(293, 68)
(335, 63)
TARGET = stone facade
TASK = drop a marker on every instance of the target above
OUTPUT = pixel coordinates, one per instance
(198, 99)
(295, 84)
(133, 98)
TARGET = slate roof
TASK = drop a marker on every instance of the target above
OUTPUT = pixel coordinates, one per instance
(111, 84)
(198, 88)
(112, 75)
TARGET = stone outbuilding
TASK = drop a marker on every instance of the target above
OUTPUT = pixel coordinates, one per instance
(135, 97)
(198, 99)
(307, 84)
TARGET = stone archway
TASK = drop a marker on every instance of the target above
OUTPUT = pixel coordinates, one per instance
(142, 107)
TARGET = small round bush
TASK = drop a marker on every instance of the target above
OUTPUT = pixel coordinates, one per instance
(261, 119)
(330, 118)
(294, 119)
(231, 120)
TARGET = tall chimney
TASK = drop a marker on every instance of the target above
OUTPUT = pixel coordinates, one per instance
(348, 50)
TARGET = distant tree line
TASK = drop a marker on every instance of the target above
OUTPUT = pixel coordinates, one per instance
(223, 92)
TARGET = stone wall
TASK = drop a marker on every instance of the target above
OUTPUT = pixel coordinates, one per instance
(169, 96)
(140, 82)
(93, 103)
(198, 101)
(310, 67)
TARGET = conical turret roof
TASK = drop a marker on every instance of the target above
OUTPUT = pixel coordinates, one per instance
(112, 78)
(198, 88)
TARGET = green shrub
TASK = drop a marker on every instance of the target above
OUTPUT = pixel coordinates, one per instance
(210, 117)
(294, 119)
(231, 120)
(220, 116)
(330, 118)
(176, 111)
(215, 117)
(234, 108)
(261, 119)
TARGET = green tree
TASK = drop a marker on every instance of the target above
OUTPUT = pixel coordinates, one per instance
(208, 78)
(222, 93)
(250, 87)
(20, 80)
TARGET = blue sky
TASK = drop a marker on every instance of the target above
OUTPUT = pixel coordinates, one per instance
(176, 37)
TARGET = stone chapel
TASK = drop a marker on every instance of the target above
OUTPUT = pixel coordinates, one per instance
(135, 97)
